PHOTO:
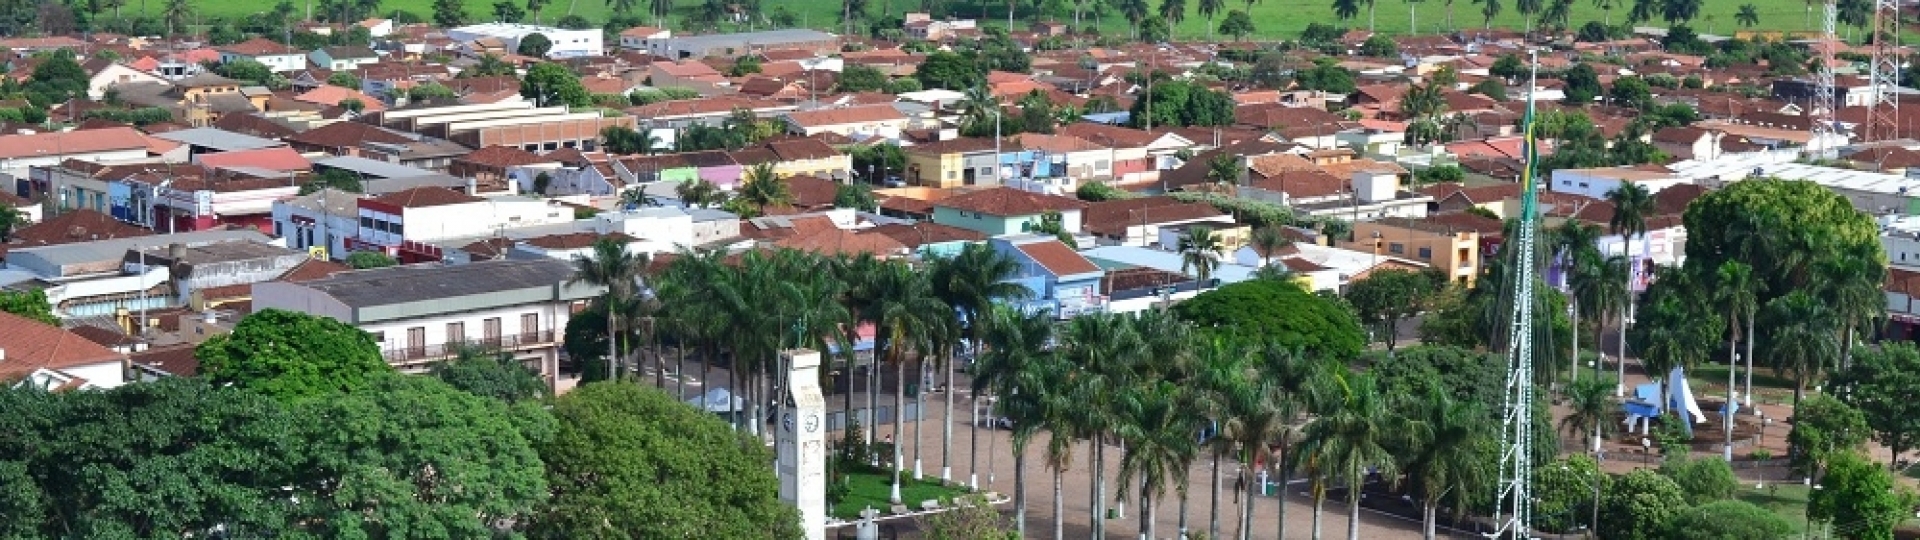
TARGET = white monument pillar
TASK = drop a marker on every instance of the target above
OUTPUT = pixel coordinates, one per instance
(802, 446)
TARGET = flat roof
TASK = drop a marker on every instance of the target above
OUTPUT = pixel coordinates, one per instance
(763, 37)
(514, 30)
(233, 250)
(415, 290)
(218, 139)
(114, 249)
(372, 167)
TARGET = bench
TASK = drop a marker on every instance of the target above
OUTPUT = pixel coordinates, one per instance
(900, 510)
(930, 505)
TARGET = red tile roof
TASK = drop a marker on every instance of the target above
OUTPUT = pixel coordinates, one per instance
(1009, 202)
(1057, 258)
(279, 158)
(32, 345)
(501, 157)
(70, 227)
(422, 197)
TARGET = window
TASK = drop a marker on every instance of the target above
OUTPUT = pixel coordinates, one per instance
(398, 229)
(490, 330)
(379, 337)
(417, 341)
(1396, 248)
(530, 323)
(456, 332)
(1426, 253)
(276, 229)
(366, 222)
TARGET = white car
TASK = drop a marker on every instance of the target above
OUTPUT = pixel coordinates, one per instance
(1000, 422)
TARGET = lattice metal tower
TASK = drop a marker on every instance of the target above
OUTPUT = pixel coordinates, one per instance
(1822, 106)
(1514, 517)
(1883, 112)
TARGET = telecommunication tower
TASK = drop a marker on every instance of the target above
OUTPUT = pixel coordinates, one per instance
(1822, 106)
(1515, 501)
(1883, 112)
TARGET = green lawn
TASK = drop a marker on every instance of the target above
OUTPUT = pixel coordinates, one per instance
(1768, 387)
(871, 487)
(1787, 500)
(1273, 19)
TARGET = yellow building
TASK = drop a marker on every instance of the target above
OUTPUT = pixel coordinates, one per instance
(1453, 249)
(809, 157)
(951, 163)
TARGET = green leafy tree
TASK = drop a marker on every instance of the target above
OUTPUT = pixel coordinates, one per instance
(408, 455)
(433, 91)
(176, 456)
(344, 79)
(510, 11)
(1280, 312)
(1859, 499)
(1200, 250)
(761, 188)
(450, 13)
(854, 196)
(1631, 91)
(1509, 67)
(1639, 505)
(1380, 46)
(1728, 520)
(549, 84)
(1878, 384)
(1327, 75)
(1237, 24)
(535, 45)
(861, 78)
(290, 356)
(632, 462)
(1582, 83)
(1825, 427)
(1448, 457)
(1385, 298)
(246, 70)
(948, 70)
(1564, 492)
(623, 140)
(1749, 16)
(1490, 88)
(491, 375)
(31, 304)
(10, 218)
(1702, 480)
(1464, 375)
(364, 260)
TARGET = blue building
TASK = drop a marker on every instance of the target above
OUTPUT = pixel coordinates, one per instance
(1059, 278)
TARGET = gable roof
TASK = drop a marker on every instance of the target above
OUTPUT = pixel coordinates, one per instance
(1009, 202)
(422, 197)
(848, 115)
(279, 158)
(32, 345)
(81, 225)
(1057, 258)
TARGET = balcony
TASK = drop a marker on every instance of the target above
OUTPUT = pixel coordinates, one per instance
(404, 357)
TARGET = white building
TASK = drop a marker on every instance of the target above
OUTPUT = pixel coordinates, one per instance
(666, 230)
(90, 279)
(426, 313)
(402, 224)
(51, 358)
(635, 39)
(109, 145)
(1596, 183)
(566, 43)
(318, 223)
(1900, 237)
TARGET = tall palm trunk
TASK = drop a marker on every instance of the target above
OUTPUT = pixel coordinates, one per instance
(1319, 503)
(613, 345)
(680, 371)
(706, 368)
(1246, 510)
(1213, 510)
(919, 419)
(1183, 511)
(1098, 507)
(1059, 505)
(1020, 490)
(1354, 483)
(946, 451)
(1733, 361)
(1147, 517)
(1573, 366)
(1749, 384)
(1620, 384)
(1429, 515)
(1285, 473)
(899, 406)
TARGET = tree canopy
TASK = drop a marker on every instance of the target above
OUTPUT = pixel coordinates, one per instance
(549, 84)
(632, 462)
(30, 304)
(1728, 520)
(290, 355)
(1280, 312)
(1879, 384)
(1639, 505)
(1781, 227)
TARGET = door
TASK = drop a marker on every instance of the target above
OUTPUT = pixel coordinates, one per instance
(490, 329)
(530, 328)
(456, 333)
(416, 342)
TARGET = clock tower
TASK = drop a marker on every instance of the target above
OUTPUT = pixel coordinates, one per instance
(802, 443)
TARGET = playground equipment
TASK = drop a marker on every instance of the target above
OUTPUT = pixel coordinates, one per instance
(1653, 399)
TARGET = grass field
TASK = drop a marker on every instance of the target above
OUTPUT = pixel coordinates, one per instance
(1786, 500)
(1273, 19)
(869, 487)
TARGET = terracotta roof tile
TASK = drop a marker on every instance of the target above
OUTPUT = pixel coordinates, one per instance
(1057, 258)
(32, 345)
(1009, 202)
(347, 135)
(70, 227)
(847, 115)
(422, 197)
(500, 157)
(926, 232)
(177, 360)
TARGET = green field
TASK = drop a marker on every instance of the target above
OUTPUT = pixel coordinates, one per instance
(870, 488)
(1274, 19)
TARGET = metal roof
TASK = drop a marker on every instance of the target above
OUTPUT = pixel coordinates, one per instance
(761, 38)
(218, 139)
(416, 290)
(49, 260)
(372, 167)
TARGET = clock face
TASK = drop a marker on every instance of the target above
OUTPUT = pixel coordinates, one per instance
(813, 423)
(787, 421)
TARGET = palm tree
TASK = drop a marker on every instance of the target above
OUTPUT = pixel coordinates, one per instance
(1631, 206)
(1748, 16)
(1209, 8)
(1449, 454)
(1174, 11)
(1851, 284)
(908, 315)
(977, 106)
(1590, 412)
(1299, 384)
(1103, 348)
(611, 266)
(1737, 293)
(1413, 20)
(176, 13)
(971, 282)
(1802, 338)
(1606, 11)
(1019, 367)
(1599, 284)
(1224, 170)
(1351, 435)
(762, 188)
(1159, 441)
(1200, 253)
(1576, 243)
(1223, 379)
(1268, 241)
(699, 194)
(1063, 430)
